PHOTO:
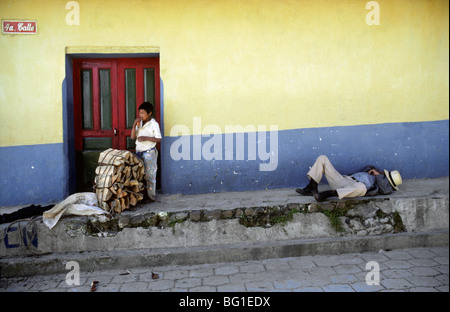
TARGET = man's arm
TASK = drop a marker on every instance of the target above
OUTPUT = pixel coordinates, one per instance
(384, 187)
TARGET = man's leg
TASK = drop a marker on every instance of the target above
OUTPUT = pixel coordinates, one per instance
(325, 194)
(342, 186)
(323, 166)
(309, 190)
(352, 189)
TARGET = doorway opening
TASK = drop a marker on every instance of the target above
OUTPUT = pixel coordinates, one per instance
(106, 95)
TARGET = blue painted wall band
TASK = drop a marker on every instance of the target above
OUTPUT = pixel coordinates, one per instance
(33, 174)
(417, 150)
(40, 173)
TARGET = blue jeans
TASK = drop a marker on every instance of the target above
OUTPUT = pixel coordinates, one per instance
(150, 157)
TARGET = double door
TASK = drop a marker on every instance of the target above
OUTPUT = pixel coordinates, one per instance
(107, 94)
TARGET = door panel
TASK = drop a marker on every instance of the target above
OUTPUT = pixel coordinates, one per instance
(95, 101)
(130, 96)
(107, 94)
(105, 99)
(136, 83)
(86, 99)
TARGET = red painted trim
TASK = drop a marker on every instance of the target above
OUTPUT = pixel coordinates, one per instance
(77, 105)
(114, 105)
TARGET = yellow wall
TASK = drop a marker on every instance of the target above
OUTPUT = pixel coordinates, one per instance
(295, 64)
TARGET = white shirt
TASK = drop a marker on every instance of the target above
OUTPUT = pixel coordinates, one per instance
(150, 129)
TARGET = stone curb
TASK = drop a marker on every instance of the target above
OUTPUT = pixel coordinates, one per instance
(127, 259)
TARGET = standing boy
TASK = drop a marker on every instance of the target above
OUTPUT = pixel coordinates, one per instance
(146, 130)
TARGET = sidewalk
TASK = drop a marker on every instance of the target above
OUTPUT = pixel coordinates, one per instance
(402, 270)
(412, 188)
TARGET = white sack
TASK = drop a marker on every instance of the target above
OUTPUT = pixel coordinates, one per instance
(82, 204)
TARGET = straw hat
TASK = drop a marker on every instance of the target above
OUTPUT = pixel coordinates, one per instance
(394, 178)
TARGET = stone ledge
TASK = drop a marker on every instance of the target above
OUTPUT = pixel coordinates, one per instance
(274, 223)
(224, 219)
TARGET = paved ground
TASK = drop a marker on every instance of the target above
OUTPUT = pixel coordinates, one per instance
(403, 270)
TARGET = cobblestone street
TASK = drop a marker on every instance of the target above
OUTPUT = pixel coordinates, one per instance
(405, 270)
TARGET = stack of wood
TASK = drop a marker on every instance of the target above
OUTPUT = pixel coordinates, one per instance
(119, 180)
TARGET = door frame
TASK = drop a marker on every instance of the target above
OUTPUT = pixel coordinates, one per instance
(73, 53)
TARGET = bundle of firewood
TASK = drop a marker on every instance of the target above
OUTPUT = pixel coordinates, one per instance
(119, 180)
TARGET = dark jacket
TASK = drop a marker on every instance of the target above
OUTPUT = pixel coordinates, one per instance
(382, 185)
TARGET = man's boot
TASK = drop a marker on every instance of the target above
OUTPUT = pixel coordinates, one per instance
(324, 195)
(309, 190)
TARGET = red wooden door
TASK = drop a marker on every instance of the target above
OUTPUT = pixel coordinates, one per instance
(138, 81)
(95, 104)
(107, 94)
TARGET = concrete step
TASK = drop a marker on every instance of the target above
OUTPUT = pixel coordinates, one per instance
(250, 224)
(55, 263)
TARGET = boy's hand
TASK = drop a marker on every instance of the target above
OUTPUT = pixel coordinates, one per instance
(137, 121)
